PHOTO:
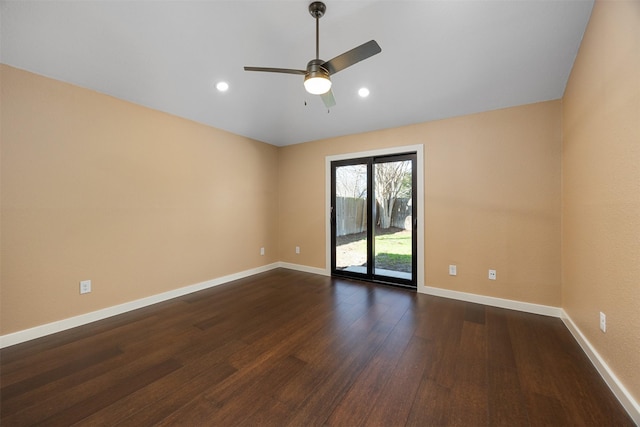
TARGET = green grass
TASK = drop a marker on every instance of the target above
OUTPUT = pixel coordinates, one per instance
(392, 250)
(394, 262)
(396, 243)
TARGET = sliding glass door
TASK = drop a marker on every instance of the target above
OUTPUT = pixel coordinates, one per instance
(373, 227)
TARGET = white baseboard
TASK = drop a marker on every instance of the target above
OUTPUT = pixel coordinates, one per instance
(83, 319)
(304, 268)
(619, 390)
(527, 307)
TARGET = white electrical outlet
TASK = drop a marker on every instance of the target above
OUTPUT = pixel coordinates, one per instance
(261, 251)
(453, 270)
(297, 249)
(85, 286)
(603, 322)
(492, 275)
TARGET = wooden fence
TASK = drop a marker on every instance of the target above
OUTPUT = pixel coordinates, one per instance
(351, 215)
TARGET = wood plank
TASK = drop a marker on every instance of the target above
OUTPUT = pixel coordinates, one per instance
(155, 402)
(506, 403)
(112, 394)
(469, 394)
(394, 401)
(372, 384)
(232, 407)
(87, 360)
(58, 396)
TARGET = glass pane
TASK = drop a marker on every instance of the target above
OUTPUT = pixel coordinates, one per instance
(351, 218)
(392, 234)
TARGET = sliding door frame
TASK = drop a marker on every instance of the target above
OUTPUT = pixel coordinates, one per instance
(419, 179)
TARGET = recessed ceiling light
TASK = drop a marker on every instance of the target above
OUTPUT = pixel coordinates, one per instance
(363, 92)
(222, 86)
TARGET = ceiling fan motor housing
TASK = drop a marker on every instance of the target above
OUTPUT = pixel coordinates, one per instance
(315, 69)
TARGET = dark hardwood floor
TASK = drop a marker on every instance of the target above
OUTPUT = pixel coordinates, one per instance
(286, 348)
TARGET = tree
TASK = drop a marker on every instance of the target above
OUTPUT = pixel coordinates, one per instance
(393, 180)
(351, 181)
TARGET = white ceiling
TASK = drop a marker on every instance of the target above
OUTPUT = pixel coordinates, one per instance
(439, 58)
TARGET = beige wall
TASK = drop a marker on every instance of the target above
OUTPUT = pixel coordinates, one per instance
(138, 201)
(601, 187)
(492, 199)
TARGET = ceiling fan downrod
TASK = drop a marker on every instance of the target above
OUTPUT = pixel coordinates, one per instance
(317, 10)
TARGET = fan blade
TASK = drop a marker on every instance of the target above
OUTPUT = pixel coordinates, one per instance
(351, 57)
(276, 70)
(328, 99)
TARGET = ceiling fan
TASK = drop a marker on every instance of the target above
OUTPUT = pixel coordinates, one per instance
(317, 79)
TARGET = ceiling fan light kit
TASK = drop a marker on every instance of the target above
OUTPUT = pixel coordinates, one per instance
(317, 80)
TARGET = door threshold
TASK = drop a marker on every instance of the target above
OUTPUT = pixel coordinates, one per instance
(376, 280)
